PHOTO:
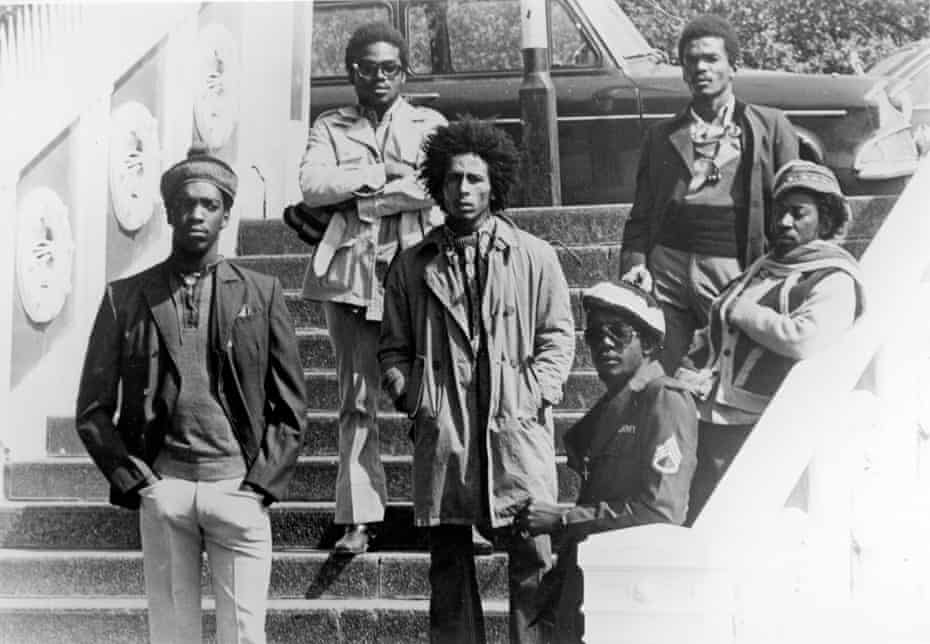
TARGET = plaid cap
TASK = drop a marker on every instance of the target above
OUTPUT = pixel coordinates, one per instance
(628, 300)
(808, 175)
(199, 165)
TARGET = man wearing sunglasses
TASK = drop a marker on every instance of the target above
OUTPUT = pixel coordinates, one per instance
(360, 164)
(635, 450)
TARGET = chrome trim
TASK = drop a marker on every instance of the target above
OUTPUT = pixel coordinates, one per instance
(636, 117)
(816, 112)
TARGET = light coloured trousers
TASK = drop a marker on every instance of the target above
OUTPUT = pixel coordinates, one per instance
(179, 519)
(361, 489)
(685, 286)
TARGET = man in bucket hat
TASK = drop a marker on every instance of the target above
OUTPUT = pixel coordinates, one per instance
(191, 403)
(634, 450)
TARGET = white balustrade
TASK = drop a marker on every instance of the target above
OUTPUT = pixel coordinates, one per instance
(752, 570)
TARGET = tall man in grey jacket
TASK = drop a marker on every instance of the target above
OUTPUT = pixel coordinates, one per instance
(476, 342)
(360, 164)
(191, 403)
(703, 187)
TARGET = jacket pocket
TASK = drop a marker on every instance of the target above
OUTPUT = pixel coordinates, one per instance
(519, 392)
(424, 395)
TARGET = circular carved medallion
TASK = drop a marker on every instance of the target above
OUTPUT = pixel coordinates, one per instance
(216, 92)
(135, 164)
(44, 253)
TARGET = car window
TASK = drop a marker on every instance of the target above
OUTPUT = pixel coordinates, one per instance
(463, 36)
(332, 28)
(570, 46)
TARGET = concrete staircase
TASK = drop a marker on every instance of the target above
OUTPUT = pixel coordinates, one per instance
(70, 564)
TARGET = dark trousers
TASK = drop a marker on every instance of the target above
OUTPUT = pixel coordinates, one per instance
(718, 445)
(569, 620)
(455, 613)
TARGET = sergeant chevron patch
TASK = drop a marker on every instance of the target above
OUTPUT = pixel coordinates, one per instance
(667, 458)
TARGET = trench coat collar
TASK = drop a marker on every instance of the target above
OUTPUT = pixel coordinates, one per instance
(436, 272)
(359, 128)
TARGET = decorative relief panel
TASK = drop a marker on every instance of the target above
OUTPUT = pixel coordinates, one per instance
(44, 253)
(135, 164)
(216, 92)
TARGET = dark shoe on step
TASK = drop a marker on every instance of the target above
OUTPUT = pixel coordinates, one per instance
(479, 544)
(354, 541)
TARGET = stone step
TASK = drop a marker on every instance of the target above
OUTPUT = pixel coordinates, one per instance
(294, 575)
(90, 525)
(568, 225)
(321, 439)
(78, 479)
(307, 621)
(316, 351)
(581, 390)
(582, 265)
(308, 315)
(100, 526)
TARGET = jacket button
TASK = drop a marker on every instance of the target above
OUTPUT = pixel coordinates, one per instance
(727, 352)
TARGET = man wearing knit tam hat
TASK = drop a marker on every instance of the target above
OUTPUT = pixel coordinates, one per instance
(200, 165)
(635, 450)
(191, 403)
(703, 187)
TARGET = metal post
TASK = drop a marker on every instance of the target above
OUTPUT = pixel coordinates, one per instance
(541, 174)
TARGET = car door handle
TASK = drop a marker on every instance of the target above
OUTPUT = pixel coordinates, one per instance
(421, 97)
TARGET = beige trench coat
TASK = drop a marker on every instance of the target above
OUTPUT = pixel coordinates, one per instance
(530, 338)
(343, 154)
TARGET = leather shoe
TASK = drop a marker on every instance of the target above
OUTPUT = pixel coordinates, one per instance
(354, 541)
(480, 545)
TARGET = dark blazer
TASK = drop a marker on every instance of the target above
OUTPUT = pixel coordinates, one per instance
(664, 171)
(131, 367)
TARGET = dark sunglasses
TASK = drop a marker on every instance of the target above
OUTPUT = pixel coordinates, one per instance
(619, 334)
(368, 69)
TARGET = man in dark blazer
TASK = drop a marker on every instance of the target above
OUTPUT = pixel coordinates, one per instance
(191, 403)
(703, 187)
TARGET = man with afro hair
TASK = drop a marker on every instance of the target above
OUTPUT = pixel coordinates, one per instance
(703, 187)
(476, 343)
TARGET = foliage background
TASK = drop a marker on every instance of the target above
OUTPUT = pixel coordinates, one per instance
(841, 36)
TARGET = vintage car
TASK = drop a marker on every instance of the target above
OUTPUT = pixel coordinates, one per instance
(910, 67)
(465, 58)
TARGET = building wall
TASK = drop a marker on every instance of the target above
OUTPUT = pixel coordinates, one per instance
(263, 147)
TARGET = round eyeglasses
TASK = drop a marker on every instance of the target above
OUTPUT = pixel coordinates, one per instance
(368, 69)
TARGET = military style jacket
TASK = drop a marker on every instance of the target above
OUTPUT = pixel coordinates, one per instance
(636, 451)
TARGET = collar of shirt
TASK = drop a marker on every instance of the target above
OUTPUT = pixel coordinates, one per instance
(371, 115)
(715, 129)
(179, 278)
(482, 238)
